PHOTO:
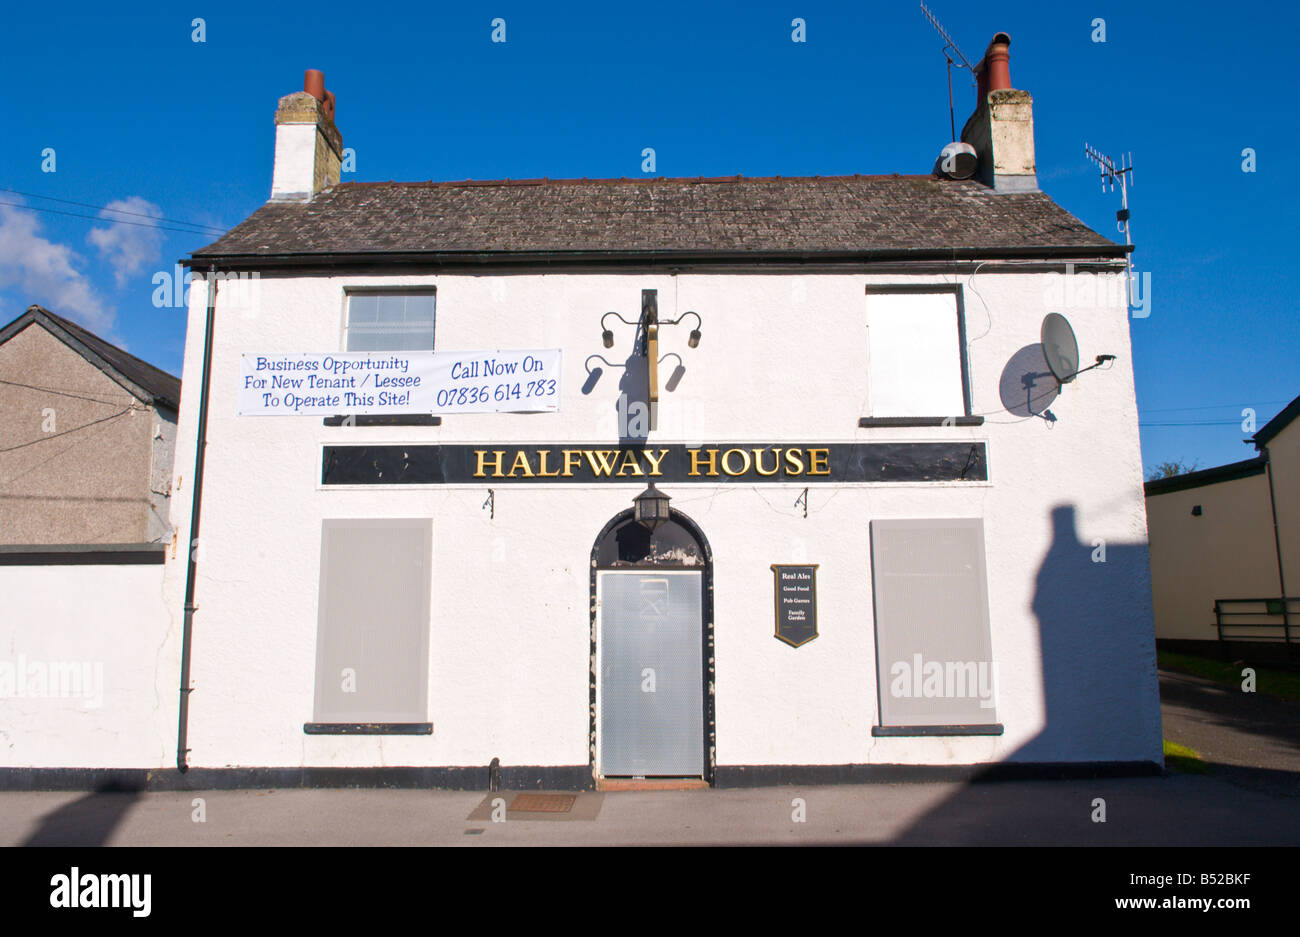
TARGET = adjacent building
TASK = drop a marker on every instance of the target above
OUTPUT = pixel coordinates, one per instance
(110, 420)
(87, 433)
(1225, 549)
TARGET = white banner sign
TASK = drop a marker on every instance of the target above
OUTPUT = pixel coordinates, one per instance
(399, 382)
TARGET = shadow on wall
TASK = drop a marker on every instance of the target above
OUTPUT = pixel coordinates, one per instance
(88, 820)
(1090, 675)
(1091, 682)
(633, 404)
(1028, 386)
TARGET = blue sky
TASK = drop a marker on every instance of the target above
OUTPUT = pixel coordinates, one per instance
(143, 118)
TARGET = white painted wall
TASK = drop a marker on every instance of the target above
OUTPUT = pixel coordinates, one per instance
(782, 359)
(113, 619)
(295, 161)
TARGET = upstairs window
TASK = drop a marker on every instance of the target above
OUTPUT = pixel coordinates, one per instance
(916, 339)
(400, 320)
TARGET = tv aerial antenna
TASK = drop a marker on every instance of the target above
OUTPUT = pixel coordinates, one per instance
(949, 50)
(1121, 172)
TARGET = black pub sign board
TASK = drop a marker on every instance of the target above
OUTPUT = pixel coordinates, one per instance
(796, 603)
(585, 463)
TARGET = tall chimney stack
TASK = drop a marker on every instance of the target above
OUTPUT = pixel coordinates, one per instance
(308, 147)
(1002, 127)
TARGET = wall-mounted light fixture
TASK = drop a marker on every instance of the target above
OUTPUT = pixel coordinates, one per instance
(649, 322)
(693, 339)
(650, 507)
(647, 347)
(606, 335)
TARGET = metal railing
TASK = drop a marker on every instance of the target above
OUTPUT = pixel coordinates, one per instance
(1267, 615)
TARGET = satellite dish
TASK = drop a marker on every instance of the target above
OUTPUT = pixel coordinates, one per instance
(1060, 347)
(957, 161)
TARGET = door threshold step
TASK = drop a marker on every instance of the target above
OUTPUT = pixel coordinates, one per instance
(651, 784)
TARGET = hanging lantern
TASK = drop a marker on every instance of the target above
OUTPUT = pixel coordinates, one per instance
(650, 507)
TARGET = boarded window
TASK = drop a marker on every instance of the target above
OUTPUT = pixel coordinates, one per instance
(917, 362)
(372, 644)
(397, 321)
(933, 660)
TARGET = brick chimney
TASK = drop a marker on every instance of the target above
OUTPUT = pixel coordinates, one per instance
(1002, 127)
(308, 147)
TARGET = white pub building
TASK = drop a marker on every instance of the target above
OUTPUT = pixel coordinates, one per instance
(588, 483)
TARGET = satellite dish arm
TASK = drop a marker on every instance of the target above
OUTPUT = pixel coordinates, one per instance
(1101, 359)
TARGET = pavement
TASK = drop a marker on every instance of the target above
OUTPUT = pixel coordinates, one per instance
(1250, 795)
(1249, 739)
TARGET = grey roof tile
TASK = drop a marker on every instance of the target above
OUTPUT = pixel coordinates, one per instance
(834, 214)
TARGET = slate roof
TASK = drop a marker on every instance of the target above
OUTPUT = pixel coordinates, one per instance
(1210, 476)
(1274, 426)
(139, 377)
(844, 216)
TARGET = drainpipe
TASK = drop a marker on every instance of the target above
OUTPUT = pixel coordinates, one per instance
(1277, 545)
(187, 631)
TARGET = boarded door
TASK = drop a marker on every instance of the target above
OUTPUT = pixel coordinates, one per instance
(651, 692)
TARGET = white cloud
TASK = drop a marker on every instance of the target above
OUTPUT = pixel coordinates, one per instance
(129, 243)
(45, 273)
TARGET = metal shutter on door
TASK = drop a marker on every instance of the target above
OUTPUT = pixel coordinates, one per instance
(373, 621)
(651, 691)
(932, 623)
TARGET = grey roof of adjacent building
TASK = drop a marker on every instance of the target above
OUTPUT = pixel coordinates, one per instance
(1274, 426)
(842, 217)
(1210, 476)
(150, 384)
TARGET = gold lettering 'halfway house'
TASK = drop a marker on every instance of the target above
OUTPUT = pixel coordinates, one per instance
(648, 462)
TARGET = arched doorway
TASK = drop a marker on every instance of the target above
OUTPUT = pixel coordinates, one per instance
(651, 682)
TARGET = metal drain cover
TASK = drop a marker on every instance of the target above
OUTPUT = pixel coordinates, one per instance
(543, 803)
